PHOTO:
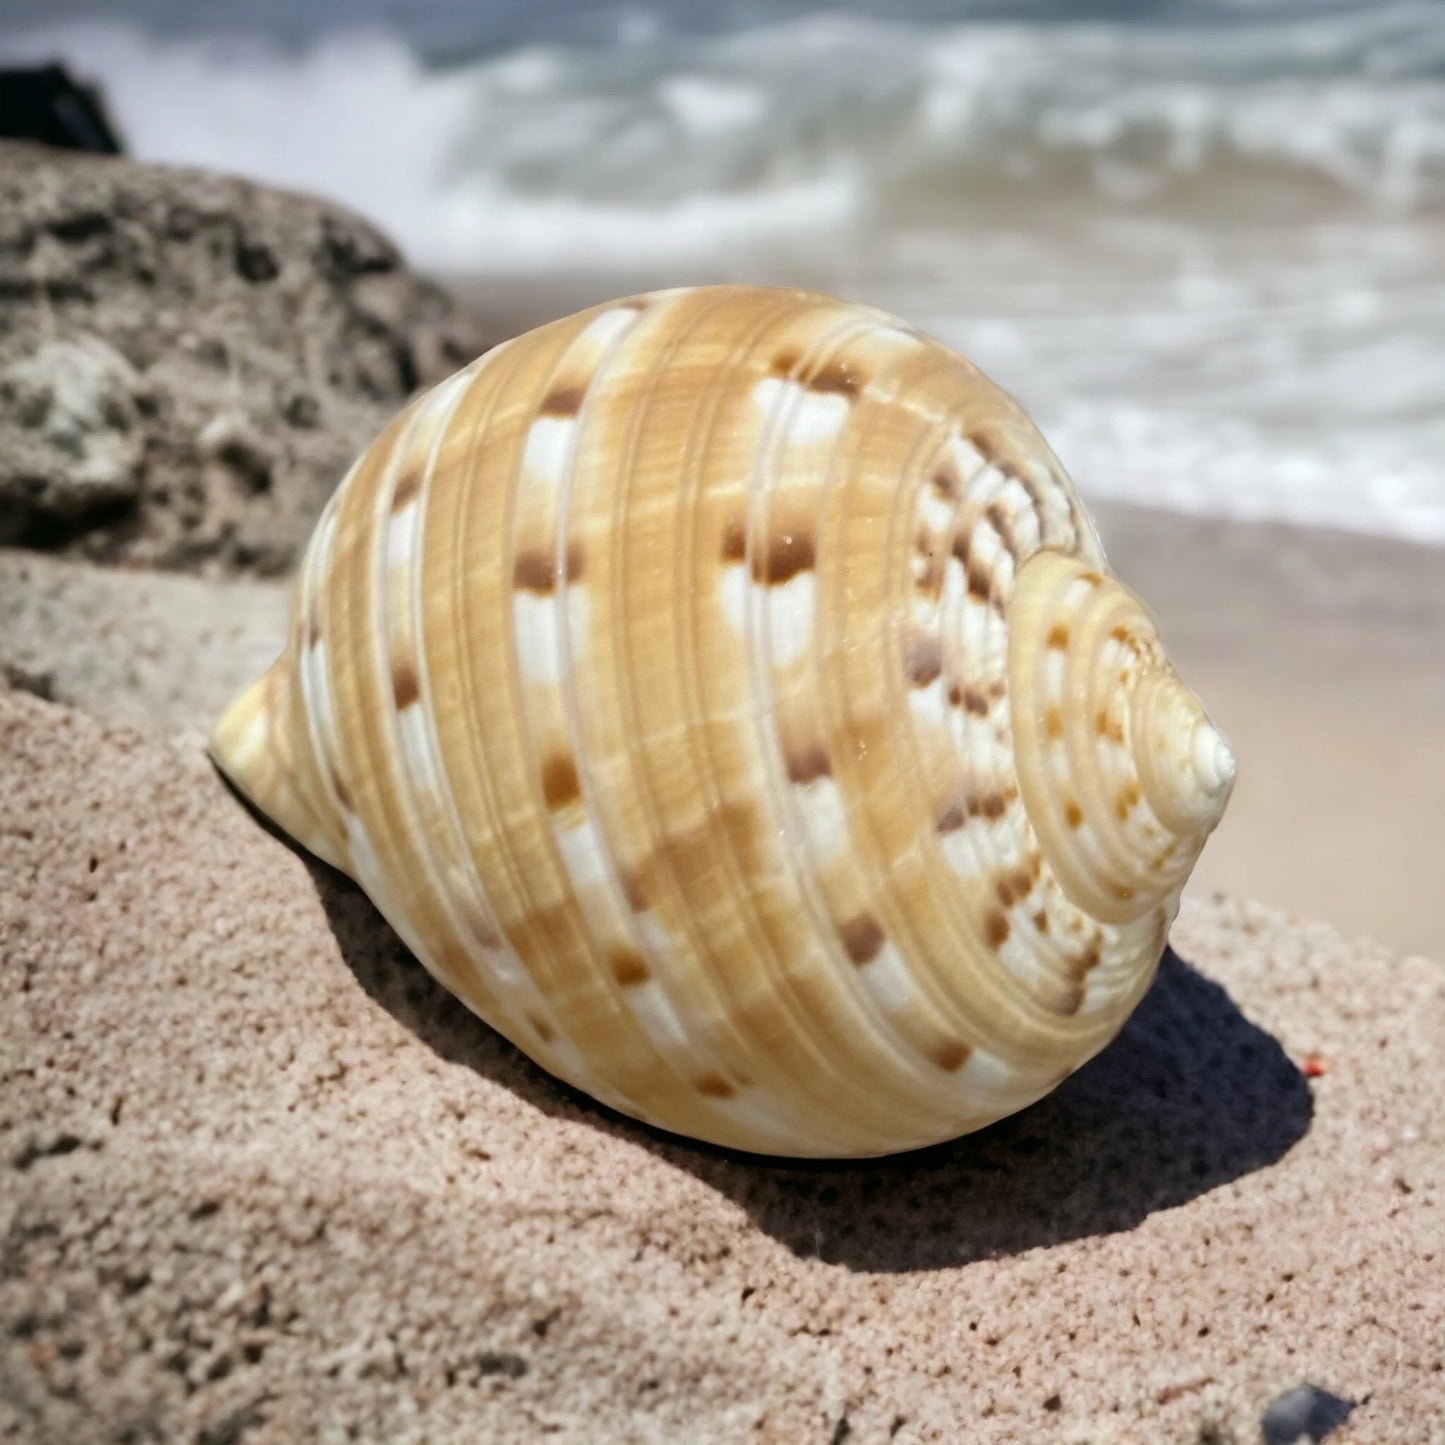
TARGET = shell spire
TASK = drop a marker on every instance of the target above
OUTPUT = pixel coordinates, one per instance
(1122, 773)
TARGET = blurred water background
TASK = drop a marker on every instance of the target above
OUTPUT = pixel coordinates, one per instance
(1202, 240)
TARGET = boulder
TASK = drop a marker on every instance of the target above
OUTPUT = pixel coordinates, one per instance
(189, 361)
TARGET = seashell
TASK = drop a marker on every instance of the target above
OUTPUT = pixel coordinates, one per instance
(723, 691)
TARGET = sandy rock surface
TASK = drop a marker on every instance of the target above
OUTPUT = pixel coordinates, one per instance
(189, 361)
(262, 1180)
(160, 650)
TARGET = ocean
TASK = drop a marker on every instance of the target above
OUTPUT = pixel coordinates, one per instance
(1202, 241)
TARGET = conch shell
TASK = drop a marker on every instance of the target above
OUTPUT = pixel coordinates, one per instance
(723, 692)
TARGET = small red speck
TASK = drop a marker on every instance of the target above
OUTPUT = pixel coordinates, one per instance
(1314, 1066)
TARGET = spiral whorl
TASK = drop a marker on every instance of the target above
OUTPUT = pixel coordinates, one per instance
(1121, 771)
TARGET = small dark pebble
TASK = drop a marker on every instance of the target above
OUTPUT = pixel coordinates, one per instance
(1304, 1413)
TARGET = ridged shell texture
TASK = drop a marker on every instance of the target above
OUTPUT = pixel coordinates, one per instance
(724, 693)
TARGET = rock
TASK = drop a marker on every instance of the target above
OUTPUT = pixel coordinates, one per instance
(46, 103)
(189, 362)
(75, 445)
(262, 1179)
(156, 649)
(1305, 1413)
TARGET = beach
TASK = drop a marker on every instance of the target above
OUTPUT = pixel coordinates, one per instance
(263, 1178)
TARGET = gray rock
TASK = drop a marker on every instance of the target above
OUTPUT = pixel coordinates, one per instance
(1304, 1413)
(188, 361)
(76, 444)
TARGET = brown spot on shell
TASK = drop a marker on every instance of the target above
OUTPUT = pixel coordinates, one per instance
(1000, 521)
(1125, 802)
(951, 1055)
(1094, 579)
(542, 1028)
(560, 784)
(1041, 921)
(975, 702)
(1087, 961)
(1069, 999)
(980, 584)
(1059, 635)
(1120, 633)
(313, 623)
(928, 571)
(634, 892)
(714, 1086)
(1054, 723)
(785, 363)
(1013, 886)
(996, 929)
(863, 937)
(838, 376)
(924, 660)
(735, 540)
(946, 482)
(988, 442)
(951, 819)
(629, 967)
(482, 928)
(785, 556)
(808, 763)
(534, 572)
(563, 401)
(405, 685)
(343, 793)
(407, 490)
(991, 806)
(1073, 813)
(537, 571)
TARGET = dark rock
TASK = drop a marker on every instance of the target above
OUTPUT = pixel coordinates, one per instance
(1304, 1413)
(189, 362)
(46, 103)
